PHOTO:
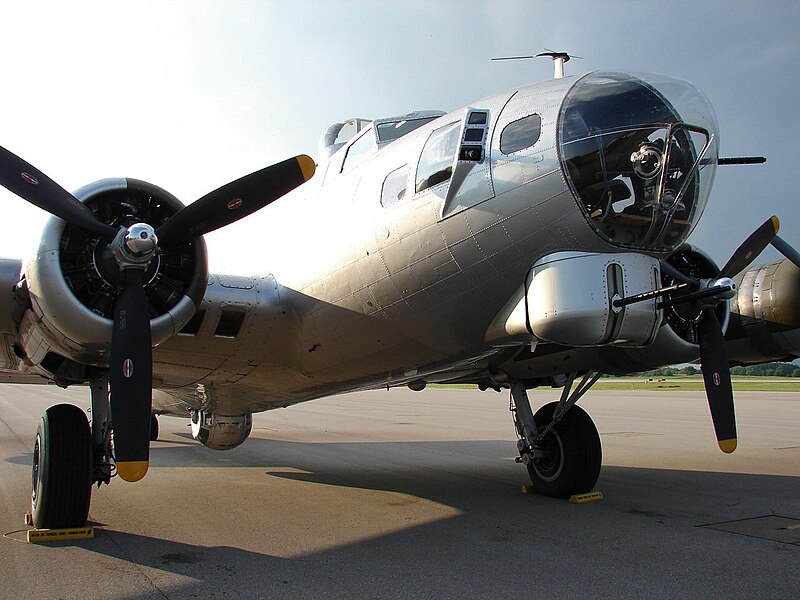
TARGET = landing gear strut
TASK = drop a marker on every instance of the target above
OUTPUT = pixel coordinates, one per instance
(559, 444)
(103, 462)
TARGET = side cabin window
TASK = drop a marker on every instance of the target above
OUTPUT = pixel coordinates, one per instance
(521, 134)
(438, 155)
(193, 326)
(230, 322)
(394, 186)
(359, 150)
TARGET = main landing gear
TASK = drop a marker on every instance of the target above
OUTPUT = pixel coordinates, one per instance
(559, 444)
(62, 469)
(70, 455)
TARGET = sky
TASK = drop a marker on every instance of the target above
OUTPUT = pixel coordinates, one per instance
(191, 95)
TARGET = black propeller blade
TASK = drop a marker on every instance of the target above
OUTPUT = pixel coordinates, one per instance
(131, 360)
(131, 377)
(30, 184)
(781, 246)
(131, 349)
(717, 378)
(236, 200)
(713, 355)
(750, 248)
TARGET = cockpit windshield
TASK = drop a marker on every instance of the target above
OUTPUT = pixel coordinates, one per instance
(396, 127)
(640, 155)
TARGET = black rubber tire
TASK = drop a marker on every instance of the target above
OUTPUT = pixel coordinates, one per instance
(572, 465)
(62, 469)
(153, 428)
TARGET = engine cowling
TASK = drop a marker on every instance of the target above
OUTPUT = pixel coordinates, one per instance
(72, 282)
(220, 432)
(761, 323)
(677, 338)
(765, 315)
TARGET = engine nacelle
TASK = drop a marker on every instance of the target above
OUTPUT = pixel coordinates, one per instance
(570, 299)
(761, 324)
(220, 432)
(765, 315)
(73, 279)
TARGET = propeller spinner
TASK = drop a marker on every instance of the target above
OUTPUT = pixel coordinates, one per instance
(131, 360)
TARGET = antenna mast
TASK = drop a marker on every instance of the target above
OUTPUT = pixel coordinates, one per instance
(559, 58)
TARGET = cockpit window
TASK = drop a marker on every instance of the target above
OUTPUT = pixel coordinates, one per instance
(641, 171)
(438, 155)
(395, 129)
(521, 134)
(359, 150)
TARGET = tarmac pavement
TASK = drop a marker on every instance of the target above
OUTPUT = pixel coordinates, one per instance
(402, 494)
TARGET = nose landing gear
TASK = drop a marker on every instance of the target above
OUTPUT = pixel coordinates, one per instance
(559, 444)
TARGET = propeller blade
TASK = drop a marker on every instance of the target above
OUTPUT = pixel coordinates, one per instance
(717, 378)
(750, 248)
(785, 249)
(236, 200)
(131, 378)
(30, 184)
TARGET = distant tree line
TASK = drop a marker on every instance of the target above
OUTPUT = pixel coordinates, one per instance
(773, 369)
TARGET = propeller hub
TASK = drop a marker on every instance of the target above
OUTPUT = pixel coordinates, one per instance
(721, 284)
(135, 246)
(140, 239)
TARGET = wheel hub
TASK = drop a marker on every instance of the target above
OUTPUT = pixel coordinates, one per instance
(550, 465)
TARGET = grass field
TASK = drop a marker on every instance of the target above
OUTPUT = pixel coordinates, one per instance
(695, 384)
(681, 384)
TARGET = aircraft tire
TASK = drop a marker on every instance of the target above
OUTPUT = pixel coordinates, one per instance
(62, 469)
(153, 428)
(574, 454)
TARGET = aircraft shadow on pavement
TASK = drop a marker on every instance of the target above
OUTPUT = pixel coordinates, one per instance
(476, 552)
(482, 543)
(472, 475)
(20, 459)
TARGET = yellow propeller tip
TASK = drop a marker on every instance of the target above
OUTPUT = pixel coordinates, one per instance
(132, 470)
(775, 223)
(727, 446)
(307, 166)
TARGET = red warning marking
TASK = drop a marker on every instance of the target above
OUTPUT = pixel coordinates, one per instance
(235, 203)
(717, 379)
(29, 178)
(127, 368)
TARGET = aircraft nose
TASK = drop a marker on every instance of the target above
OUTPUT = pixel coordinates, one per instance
(639, 153)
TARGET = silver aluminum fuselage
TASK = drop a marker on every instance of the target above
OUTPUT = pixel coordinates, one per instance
(361, 295)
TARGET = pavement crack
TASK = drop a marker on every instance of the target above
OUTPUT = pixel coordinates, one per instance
(135, 564)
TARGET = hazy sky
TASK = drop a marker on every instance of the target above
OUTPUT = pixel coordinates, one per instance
(190, 95)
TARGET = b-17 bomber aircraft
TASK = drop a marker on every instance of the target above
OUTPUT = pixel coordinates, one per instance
(535, 237)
